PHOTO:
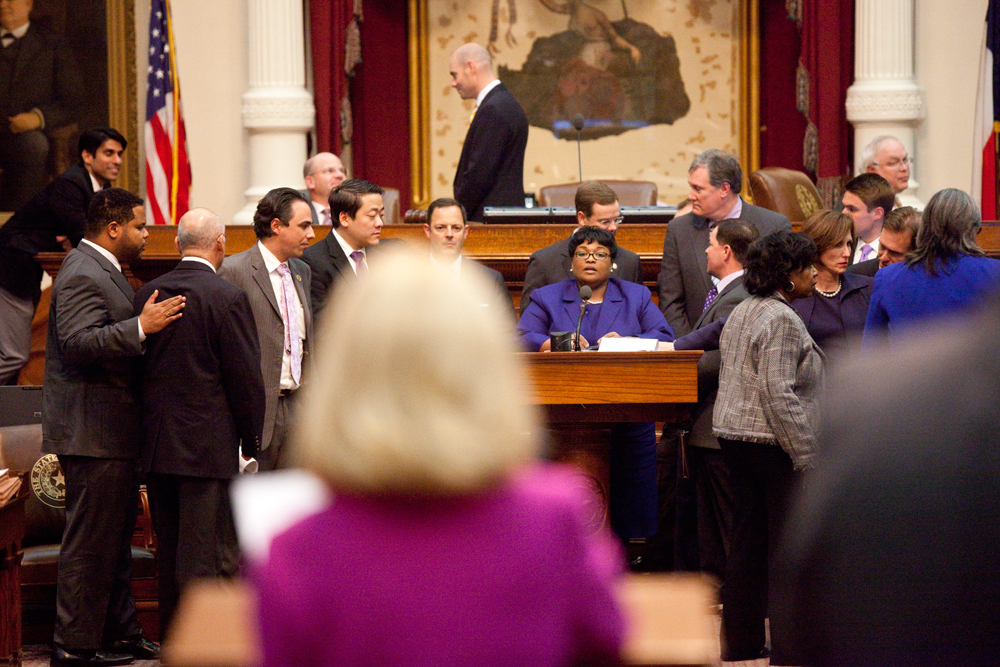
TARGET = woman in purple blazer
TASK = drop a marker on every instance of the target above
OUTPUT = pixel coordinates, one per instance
(447, 543)
(615, 308)
(948, 273)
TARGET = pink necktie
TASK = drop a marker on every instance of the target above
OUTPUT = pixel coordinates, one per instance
(866, 252)
(327, 220)
(359, 262)
(293, 341)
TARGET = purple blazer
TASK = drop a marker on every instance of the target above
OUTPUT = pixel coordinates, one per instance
(510, 576)
(627, 310)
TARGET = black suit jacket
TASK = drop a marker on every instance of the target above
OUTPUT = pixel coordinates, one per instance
(868, 267)
(60, 209)
(684, 281)
(709, 363)
(491, 168)
(552, 264)
(90, 403)
(202, 388)
(44, 78)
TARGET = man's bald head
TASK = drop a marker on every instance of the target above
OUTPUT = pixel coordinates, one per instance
(471, 68)
(200, 233)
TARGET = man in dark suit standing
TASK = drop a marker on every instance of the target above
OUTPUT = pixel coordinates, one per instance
(276, 282)
(202, 402)
(52, 221)
(40, 89)
(358, 215)
(491, 168)
(715, 179)
(446, 230)
(90, 419)
(727, 247)
(596, 206)
(898, 237)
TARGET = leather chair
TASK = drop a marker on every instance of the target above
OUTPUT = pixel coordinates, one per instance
(785, 191)
(630, 193)
(390, 199)
(45, 519)
(415, 216)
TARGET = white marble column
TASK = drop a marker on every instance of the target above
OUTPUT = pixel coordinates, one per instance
(277, 109)
(885, 98)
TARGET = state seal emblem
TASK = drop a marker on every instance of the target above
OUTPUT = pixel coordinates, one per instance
(48, 482)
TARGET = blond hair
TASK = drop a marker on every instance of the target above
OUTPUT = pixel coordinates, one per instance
(417, 387)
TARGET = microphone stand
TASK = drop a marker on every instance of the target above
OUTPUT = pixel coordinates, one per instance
(585, 293)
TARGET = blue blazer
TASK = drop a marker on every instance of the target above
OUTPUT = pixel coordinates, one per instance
(627, 310)
(904, 295)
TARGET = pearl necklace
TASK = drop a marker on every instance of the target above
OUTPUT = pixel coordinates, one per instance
(830, 295)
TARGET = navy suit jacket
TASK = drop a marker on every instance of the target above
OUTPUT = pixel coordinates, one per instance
(491, 169)
(855, 293)
(627, 310)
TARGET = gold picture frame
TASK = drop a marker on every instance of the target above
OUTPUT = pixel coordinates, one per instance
(123, 113)
(746, 139)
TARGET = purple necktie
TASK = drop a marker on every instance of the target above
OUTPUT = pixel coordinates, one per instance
(293, 341)
(712, 293)
(327, 220)
(867, 252)
(359, 262)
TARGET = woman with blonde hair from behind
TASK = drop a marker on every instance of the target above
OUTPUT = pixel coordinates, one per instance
(447, 543)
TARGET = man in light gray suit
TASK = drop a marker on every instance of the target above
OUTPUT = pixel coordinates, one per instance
(277, 281)
(715, 179)
(596, 206)
(727, 248)
(91, 422)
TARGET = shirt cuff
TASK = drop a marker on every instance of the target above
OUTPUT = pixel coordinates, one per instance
(142, 334)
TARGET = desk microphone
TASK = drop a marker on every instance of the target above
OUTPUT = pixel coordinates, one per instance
(578, 121)
(585, 293)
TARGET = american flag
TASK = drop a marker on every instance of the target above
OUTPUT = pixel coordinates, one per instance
(168, 171)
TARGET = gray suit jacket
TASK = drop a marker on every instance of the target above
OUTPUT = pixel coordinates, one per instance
(246, 270)
(708, 366)
(551, 265)
(683, 281)
(90, 400)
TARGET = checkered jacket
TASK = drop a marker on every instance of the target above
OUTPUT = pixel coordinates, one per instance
(770, 379)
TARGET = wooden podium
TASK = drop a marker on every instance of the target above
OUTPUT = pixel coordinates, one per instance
(585, 393)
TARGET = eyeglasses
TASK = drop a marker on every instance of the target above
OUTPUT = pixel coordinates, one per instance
(327, 171)
(600, 255)
(896, 164)
(607, 221)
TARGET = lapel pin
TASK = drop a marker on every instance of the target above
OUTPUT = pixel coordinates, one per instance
(298, 277)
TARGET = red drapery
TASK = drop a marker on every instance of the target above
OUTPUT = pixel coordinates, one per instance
(815, 37)
(377, 92)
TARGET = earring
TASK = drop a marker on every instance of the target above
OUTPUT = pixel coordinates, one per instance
(791, 287)
(614, 267)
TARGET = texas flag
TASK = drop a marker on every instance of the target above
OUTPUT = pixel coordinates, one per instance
(987, 124)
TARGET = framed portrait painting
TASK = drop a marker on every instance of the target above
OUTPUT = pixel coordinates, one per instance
(654, 83)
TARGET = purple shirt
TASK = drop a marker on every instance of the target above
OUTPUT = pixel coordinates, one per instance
(510, 576)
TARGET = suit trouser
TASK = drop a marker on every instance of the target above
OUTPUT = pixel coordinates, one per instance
(16, 314)
(195, 535)
(632, 469)
(275, 455)
(94, 603)
(715, 499)
(763, 481)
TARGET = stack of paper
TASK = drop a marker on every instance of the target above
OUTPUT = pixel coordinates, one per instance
(8, 486)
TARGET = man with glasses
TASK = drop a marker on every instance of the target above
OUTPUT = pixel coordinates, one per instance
(322, 172)
(596, 206)
(886, 156)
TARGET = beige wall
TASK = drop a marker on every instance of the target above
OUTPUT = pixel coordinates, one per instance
(947, 42)
(211, 43)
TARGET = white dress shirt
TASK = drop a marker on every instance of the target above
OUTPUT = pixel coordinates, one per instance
(346, 247)
(271, 263)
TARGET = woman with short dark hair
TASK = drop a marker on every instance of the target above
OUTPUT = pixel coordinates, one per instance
(766, 420)
(946, 274)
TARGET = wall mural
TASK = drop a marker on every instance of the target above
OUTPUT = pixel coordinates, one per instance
(657, 82)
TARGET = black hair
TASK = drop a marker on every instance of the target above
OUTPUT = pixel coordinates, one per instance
(772, 259)
(445, 202)
(588, 234)
(107, 206)
(346, 198)
(275, 204)
(92, 139)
